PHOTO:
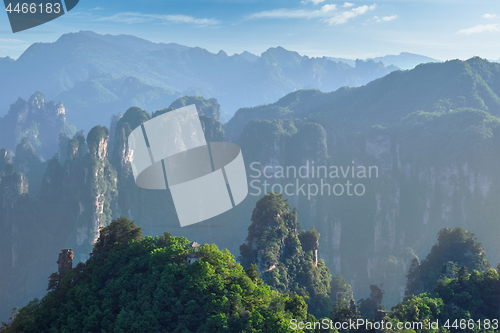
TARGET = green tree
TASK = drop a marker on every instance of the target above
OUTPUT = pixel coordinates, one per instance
(368, 307)
(119, 231)
(458, 246)
(253, 272)
(340, 289)
(286, 258)
(136, 284)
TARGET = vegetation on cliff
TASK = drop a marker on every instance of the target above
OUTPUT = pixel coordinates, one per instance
(456, 249)
(38, 120)
(136, 284)
(287, 256)
(460, 304)
(433, 132)
(133, 283)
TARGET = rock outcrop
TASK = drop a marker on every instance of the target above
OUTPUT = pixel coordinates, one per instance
(39, 121)
(65, 262)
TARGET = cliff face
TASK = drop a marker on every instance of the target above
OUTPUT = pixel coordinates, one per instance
(101, 175)
(412, 185)
(423, 189)
(13, 192)
(40, 121)
(155, 209)
(96, 202)
(77, 194)
(65, 262)
(13, 186)
(430, 169)
(286, 256)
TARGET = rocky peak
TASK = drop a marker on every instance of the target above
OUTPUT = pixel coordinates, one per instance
(25, 158)
(54, 110)
(37, 100)
(132, 118)
(39, 121)
(76, 147)
(65, 262)
(6, 166)
(97, 141)
(12, 184)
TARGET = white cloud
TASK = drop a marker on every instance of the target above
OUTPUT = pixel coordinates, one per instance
(326, 14)
(348, 4)
(479, 29)
(313, 1)
(489, 16)
(188, 19)
(328, 8)
(284, 13)
(129, 18)
(346, 16)
(8, 46)
(11, 41)
(134, 17)
(386, 18)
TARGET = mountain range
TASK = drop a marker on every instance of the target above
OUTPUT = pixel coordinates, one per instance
(95, 75)
(434, 87)
(404, 60)
(432, 133)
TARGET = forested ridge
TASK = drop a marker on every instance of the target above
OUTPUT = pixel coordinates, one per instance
(122, 71)
(432, 132)
(133, 283)
(142, 284)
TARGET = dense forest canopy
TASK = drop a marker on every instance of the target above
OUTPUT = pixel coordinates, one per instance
(133, 283)
(456, 249)
(432, 132)
(287, 256)
(143, 284)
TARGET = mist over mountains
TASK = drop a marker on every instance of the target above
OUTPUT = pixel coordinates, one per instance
(404, 60)
(435, 87)
(97, 75)
(432, 132)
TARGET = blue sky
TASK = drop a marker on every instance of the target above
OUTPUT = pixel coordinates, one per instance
(355, 29)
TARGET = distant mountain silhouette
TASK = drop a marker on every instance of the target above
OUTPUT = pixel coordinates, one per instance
(405, 60)
(249, 56)
(77, 59)
(435, 87)
(134, 42)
